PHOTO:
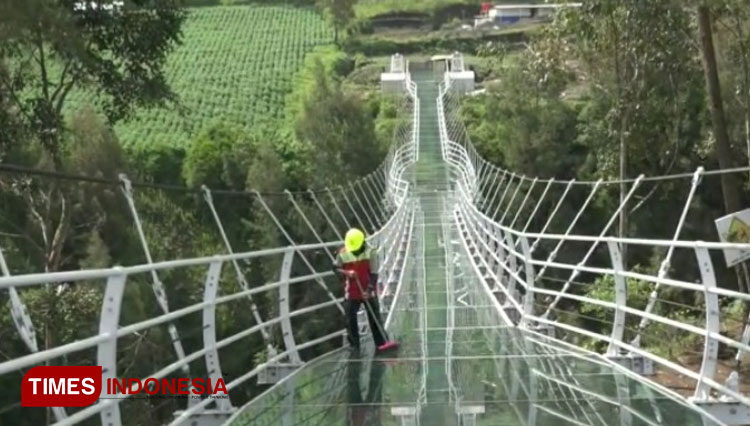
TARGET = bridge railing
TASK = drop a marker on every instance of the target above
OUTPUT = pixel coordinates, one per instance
(110, 335)
(628, 314)
(297, 316)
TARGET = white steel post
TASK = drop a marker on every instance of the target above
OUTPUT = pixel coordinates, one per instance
(213, 366)
(488, 204)
(380, 214)
(528, 299)
(538, 204)
(287, 331)
(106, 351)
(621, 298)
(241, 280)
(713, 323)
(377, 222)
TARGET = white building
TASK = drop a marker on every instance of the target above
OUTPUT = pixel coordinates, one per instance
(512, 13)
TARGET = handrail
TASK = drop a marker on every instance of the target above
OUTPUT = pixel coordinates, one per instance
(504, 259)
(382, 197)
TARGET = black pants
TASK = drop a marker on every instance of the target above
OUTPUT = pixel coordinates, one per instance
(373, 318)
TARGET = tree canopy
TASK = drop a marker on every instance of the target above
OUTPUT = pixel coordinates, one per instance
(50, 48)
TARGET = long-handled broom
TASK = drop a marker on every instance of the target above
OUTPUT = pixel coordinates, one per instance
(389, 344)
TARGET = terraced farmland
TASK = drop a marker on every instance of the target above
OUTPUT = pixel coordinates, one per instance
(236, 64)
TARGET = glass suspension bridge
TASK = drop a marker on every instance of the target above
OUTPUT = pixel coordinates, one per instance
(487, 279)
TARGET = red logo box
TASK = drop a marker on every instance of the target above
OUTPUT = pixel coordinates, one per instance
(61, 386)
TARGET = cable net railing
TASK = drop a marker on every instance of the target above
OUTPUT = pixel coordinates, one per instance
(548, 254)
(196, 314)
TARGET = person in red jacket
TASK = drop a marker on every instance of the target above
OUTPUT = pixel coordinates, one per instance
(357, 264)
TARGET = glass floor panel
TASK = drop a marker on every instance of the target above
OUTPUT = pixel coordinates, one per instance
(457, 365)
(528, 380)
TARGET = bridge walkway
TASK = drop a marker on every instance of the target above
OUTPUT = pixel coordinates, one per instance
(458, 363)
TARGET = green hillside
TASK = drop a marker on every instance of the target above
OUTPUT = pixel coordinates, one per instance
(236, 65)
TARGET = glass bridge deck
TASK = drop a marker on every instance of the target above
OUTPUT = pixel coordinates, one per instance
(458, 364)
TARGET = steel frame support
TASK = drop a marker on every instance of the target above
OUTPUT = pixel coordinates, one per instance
(19, 313)
(156, 284)
(106, 351)
(713, 324)
(665, 264)
(591, 250)
(213, 364)
(572, 224)
(528, 298)
(621, 297)
(241, 280)
(287, 331)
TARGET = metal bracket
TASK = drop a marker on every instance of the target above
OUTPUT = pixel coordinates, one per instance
(273, 373)
(545, 329)
(468, 414)
(408, 415)
(730, 412)
(635, 363)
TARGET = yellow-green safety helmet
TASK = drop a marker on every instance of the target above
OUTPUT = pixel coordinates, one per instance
(354, 239)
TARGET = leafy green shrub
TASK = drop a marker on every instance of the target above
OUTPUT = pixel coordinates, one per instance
(603, 289)
(215, 158)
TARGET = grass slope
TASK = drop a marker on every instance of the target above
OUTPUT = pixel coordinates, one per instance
(236, 64)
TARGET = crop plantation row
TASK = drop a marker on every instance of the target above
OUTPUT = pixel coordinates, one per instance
(236, 65)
